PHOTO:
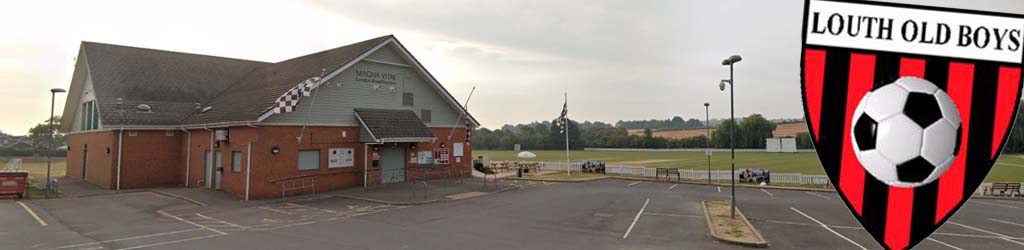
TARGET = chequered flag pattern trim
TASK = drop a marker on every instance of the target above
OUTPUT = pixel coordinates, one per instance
(289, 101)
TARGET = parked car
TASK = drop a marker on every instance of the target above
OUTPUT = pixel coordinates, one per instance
(591, 166)
(755, 175)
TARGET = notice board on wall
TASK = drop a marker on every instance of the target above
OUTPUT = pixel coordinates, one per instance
(340, 158)
(457, 149)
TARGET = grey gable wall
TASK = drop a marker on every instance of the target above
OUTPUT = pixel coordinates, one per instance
(336, 100)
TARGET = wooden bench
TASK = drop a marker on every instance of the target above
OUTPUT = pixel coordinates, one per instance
(1003, 189)
(667, 172)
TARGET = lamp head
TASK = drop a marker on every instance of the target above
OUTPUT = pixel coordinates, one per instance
(732, 60)
(721, 86)
(57, 90)
(707, 104)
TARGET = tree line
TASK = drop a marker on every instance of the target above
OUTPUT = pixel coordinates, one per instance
(750, 133)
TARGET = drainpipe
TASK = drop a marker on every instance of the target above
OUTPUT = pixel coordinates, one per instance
(213, 164)
(188, 154)
(120, 142)
(365, 159)
(248, 169)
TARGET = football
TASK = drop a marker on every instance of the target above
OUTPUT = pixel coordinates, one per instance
(906, 133)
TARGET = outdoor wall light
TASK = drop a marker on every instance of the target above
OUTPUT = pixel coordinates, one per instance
(442, 145)
(275, 150)
(412, 147)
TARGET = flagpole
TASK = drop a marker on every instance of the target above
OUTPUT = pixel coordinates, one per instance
(567, 172)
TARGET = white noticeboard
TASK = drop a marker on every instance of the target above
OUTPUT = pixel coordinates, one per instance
(457, 148)
(707, 151)
(340, 158)
(426, 157)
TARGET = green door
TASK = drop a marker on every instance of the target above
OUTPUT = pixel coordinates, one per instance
(392, 165)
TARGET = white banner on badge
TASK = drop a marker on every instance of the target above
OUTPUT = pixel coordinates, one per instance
(915, 31)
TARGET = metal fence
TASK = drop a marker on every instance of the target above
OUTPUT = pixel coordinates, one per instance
(719, 150)
(693, 175)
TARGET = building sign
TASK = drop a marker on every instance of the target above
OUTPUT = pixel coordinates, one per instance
(376, 77)
(340, 158)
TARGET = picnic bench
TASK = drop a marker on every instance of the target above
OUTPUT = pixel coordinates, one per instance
(668, 172)
(1003, 189)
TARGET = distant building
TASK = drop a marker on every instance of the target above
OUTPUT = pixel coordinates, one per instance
(15, 142)
(138, 118)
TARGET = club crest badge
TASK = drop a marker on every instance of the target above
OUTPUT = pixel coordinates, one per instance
(908, 106)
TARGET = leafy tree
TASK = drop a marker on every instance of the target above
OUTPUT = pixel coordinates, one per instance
(803, 141)
(721, 137)
(40, 136)
(694, 123)
(755, 128)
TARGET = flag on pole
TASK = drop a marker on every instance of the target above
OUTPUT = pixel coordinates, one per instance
(469, 132)
(290, 99)
(563, 120)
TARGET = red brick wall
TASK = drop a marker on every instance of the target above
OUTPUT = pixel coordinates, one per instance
(268, 167)
(100, 161)
(151, 159)
(195, 155)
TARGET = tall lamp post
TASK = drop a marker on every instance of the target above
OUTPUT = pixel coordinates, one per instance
(732, 127)
(49, 153)
(707, 129)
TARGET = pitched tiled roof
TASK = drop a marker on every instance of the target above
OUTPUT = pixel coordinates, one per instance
(169, 82)
(247, 98)
(177, 85)
(390, 125)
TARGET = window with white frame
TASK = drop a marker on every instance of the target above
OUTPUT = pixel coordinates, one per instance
(236, 161)
(441, 156)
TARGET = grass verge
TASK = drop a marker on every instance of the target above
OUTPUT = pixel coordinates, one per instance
(724, 227)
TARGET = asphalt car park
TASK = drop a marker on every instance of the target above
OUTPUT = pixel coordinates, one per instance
(603, 214)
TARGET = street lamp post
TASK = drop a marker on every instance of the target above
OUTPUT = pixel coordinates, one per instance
(49, 153)
(732, 127)
(707, 130)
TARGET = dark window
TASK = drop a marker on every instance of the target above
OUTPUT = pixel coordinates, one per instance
(309, 160)
(236, 161)
(90, 119)
(407, 99)
(425, 115)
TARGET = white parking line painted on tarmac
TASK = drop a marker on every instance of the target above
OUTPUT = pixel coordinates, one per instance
(828, 228)
(633, 184)
(673, 186)
(719, 189)
(1001, 236)
(187, 221)
(1007, 222)
(993, 204)
(818, 195)
(769, 193)
(124, 239)
(33, 213)
(806, 224)
(172, 242)
(945, 244)
(635, 219)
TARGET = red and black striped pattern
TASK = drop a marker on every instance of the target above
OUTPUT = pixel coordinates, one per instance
(986, 94)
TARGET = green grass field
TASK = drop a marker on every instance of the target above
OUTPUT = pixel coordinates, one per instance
(1007, 168)
(37, 167)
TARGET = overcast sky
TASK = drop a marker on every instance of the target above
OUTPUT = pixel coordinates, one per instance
(618, 60)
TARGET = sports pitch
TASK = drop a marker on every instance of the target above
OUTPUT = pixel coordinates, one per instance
(1009, 168)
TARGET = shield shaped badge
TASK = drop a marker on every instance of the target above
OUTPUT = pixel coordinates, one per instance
(908, 106)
